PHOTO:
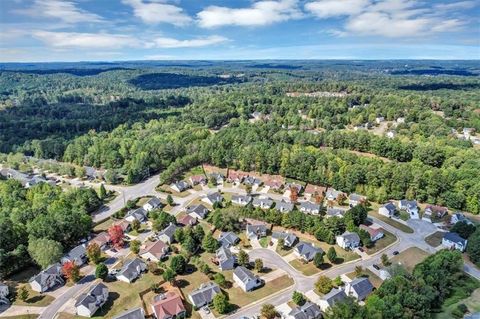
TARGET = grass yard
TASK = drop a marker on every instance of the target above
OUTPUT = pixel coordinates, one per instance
(35, 299)
(21, 317)
(283, 251)
(307, 269)
(409, 257)
(168, 190)
(391, 222)
(435, 239)
(374, 279)
(103, 226)
(264, 241)
(382, 243)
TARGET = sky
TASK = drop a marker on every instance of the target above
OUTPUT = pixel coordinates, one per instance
(113, 30)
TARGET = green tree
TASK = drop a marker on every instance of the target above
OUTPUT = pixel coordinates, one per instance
(178, 264)
(102, 193)
(268, 311)
(163, 220)
(473, 247)
(205, 268)
(464, 229)
(324, 284)
(23, 293)
(101, 271)
(136, 225)
(243, 258)
(45, 251)
(94, 253)
(221, 304)
(258, 264)
(318, 260)
(170, 200)
(189, 245)
(347, 309)
(219, 279)
(210, 244)
(332, 255)
(385, 261)
(169, 275)
(135, 246)
(298, 298)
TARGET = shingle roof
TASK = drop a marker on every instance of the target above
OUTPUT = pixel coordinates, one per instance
(362, 287)
(256, 229)
(215, 197)
(455, 238)
(241, 198)
(76, 253)
(244, 274)
(89, 298)
(154, 201)
(157, 249)
(334, 295)
(307, 250)
(264, 202)
(43, 277)
(289, 238)
(309, 206)
(281, 205)
(129, 269)
(390, 207)
(350, 237)
(228, 239)
(140, 214)
(336, 211)
(224, 254)
(168, 305)
(135, 313)
(356, 197)
(308, 311)
(200, 210)
(204, 294)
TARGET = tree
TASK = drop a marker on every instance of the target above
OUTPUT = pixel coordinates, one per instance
(102, 192)
(318, 260)
(169, 275)
(243, 258)
(179, 235)
(101, 271)
(341, 198)
(324, 284)
(281, 243)
(268, 311)
(170, 200)
(45, 251)
(178, 264)
(464, 229)
(221, 304)
(136, 225)
(163, 220)
(198, 233)
(337, 281)
(135, 246)
(116, 236)
(298, 298)
(23, 293)
(347, 309)
(365, 238)
(71, 271)
(205, 268)
(473, 247)
(258, 264)
(385, 260)
(332, 255)
(293, 194)
(358, 270)
(209, 244)
(94, 253)
(318, 198)
(189, 245)
(248, 189)
(219, 279)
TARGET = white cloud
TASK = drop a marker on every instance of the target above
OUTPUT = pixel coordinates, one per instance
(333, 8)
(85, 40)
(67, 11)
(158, 12)
(193, 43)
(456, 5)
(259, 14)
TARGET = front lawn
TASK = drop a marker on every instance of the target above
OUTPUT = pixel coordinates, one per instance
(307, 269)
(374, 279)
(409, 257)
(382, 243)
(264, 241)
(21, 279)
(435, 239)
(391, 222)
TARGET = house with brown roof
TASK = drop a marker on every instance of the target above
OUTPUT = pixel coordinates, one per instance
(375, 233)
(313, 190)
(154, 251)
(125, 225)
(198, 179)
(187, 220)
(236, 176)
(434, 211)
(102, 240)
(274, 182)
(168, 306)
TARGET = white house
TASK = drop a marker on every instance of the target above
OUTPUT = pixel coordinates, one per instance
(151, 204)
(359, 288)
(375, 234)
(389, 209)
(348, 240)
(180, 186)
(335, 295)
(454, 241)
(459, 217)
(139, 214)
(245, 279)
(87, 304)
(409, 206)
(241, 200)
(213, 198)
(47, 279)
(4, 292)
(154, 251)
(131, 270)
(310, 208)
(262, 202)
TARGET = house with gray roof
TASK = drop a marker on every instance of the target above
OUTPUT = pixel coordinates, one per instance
(217, 177)
(242, 200)
(228, 239)
(289, 239)
(204, 294)
(152, 204)
(198, 211)
(262, 202)
(308, 310)
(251, 180)
(310, 208)
(88, 303)
(454, 241)
(4, 292)
(332, 194)
(166, 235)
(180, 186)
(389, 209)
(359, 288)
(131, 270)
(458, 218)
(139, 214)
(256, 230)
(307, 251)
(355, 199)
(409, 206)
(335, 211)
(135, 313)
(335, 295)
(226, 260)
(348, 240)
(213, 198)
(283, 206)
(47, 279)
(246, 279)
(78, 255)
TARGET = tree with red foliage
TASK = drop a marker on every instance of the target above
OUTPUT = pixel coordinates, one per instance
(293, 194)
(116, 236)
(71, 271)
(318, 198)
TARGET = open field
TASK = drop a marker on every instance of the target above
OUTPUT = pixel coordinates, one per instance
(409, 257)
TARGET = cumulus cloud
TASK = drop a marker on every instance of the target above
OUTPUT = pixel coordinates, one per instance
(67, 11)
(158, 12)
(192, 43)
(259, 14)
(389, 18)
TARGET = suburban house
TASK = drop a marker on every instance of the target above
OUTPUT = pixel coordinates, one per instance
(379, 119)
(4, 292)
(256, 228)
(198, 180)
(389, 209)
(262, 202)
(78, 255)
(308, 310)
(226, 260)
(166, 235)
(435, 211)
(252, 180)
(168, 306)
(310, 208)
(26, 180)
(459, 217)
(236, 177)
(102, 240)
(131, 270)
(335, 211)
(306, 251)
(47, 279)
(359, 288)
(241, 200)
(180, 186)
(204, 294)
(124, 224)
(135, 313)
(187, 220)
(152, 204)
(213, 198)
(409, 206)
(198, 211)
(154, 251)
(93, 173)
(88, 303)
(332, 194)
(348, 240)
(290, 186)
(375, 234)
(314, 190)
(289, 239)
(283, 207)
(228, 239)
(246, 279)
(454, 241)
(274, 183)
(335, 295)
(139, 214)
(355, 199)
(217, 177)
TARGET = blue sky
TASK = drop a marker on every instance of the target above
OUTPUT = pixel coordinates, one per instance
(81, 30)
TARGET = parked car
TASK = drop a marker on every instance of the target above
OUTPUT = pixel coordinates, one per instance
(206, 309)
(395, 252)
(361, 249)
(376, 267)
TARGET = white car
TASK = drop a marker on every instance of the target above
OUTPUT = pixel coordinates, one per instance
(206, 309)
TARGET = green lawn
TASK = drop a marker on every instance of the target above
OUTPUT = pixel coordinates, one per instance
(103, 226)
(264, 241)
(391, 222)
(283, 251)
(374, 279)
(409, 257)
(21, 317)
(307, 269)
(21, 279)
(382, 243)
(435, 239)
